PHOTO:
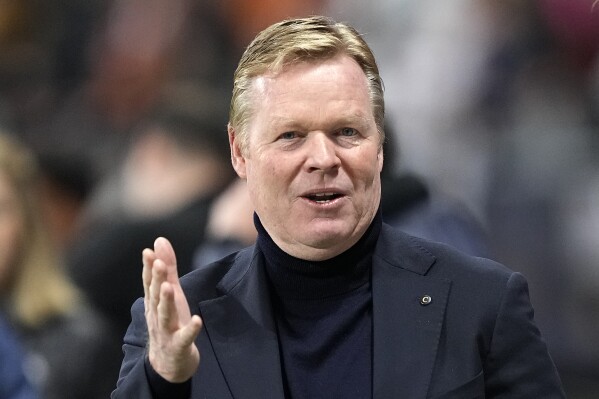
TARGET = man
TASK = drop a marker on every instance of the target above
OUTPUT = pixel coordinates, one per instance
(330, 302)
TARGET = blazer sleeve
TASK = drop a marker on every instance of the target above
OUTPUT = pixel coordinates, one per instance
(518, 364)
(136, 378)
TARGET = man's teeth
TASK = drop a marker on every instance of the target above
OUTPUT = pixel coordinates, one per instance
(323, 197)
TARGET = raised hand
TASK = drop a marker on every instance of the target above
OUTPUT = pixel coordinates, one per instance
(171, 327)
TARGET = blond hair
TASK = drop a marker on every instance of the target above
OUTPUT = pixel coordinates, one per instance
(296, 40)
(38, 287)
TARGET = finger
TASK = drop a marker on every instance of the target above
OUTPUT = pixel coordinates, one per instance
(148, 259)
(167, 311)
(164, 250)
(190, 331)
(158, 277)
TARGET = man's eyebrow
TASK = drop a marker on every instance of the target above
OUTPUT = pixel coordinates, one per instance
(358, 120)
(280, 122)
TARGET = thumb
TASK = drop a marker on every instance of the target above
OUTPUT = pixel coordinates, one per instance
(190, 331)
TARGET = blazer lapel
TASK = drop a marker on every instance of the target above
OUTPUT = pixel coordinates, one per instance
(408, 313)
(242, 332)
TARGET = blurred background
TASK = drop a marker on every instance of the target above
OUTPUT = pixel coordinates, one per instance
(493, 105)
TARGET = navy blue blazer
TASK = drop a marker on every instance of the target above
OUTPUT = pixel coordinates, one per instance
(473, 336)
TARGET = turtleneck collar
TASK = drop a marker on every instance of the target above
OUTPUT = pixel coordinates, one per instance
(295, 278)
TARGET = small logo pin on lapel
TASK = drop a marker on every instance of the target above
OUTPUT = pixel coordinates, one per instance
(426, 300)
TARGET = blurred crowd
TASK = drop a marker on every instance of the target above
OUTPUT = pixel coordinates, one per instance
(113, 132)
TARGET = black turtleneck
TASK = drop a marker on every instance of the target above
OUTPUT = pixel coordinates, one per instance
(323, 312)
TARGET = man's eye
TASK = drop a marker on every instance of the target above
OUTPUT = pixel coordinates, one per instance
(288, 135)
(348, 132)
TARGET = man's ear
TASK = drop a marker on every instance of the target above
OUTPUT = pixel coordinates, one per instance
(380, 159)
(237, 158)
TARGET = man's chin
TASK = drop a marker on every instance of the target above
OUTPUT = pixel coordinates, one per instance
(327, 243)
(327, 231)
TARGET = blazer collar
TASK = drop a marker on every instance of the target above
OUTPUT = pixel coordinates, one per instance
(243, 334)
(407, 328)
(242, 330)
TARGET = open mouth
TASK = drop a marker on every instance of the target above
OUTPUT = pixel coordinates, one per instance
(322, 198)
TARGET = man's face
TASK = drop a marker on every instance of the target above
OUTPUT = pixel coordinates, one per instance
(313, 158)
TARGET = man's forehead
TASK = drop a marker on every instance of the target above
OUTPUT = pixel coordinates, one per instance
(263, 81)
(290, 94)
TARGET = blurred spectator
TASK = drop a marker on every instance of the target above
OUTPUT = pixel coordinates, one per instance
(80, 75)
(66, 182)
(13, 381)
(544, 155)
(412, 205)
(230, 225)
(63, 338)
(177, 162)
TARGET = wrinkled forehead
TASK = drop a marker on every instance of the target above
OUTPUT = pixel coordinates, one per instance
(344, 70)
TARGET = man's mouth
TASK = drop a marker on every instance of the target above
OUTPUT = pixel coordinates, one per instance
(322, 198)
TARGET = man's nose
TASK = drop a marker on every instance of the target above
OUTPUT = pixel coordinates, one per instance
(321, 153)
